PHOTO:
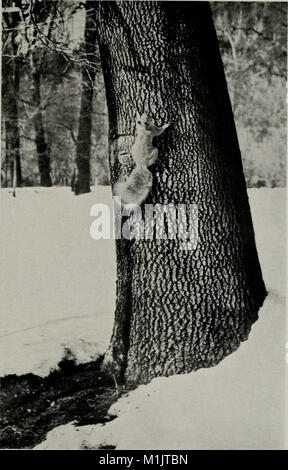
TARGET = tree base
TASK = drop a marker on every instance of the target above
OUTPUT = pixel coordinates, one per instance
(181, 362)
(81, 189)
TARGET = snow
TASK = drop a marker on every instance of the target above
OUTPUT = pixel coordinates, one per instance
(237, 405)
(57, 285)
(58, 290)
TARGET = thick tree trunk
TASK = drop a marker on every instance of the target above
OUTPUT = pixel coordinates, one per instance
(85, 119)
(41, 144)
(178, 310)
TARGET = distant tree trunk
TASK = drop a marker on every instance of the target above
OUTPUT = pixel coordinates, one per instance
(178, 311)
(3, 157)
(13, 144)
(82, 184)
(10, 92)
(41, 144)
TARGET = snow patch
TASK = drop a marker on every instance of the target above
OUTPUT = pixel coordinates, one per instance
(55, 280)
(41, 349)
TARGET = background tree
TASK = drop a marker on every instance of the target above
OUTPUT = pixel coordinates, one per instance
(10, 90)
(40, 13)
(85, 119)
(52, 52)
(178, 310)
(49, 59)
(28, 55)
(252, 39)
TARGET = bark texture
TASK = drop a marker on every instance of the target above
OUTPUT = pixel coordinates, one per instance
(177, 310)
(85, 119)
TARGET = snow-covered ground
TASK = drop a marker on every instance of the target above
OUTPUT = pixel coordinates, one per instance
(57, 283)
(58, 291)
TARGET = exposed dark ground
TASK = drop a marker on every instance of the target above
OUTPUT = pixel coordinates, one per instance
(30, 406)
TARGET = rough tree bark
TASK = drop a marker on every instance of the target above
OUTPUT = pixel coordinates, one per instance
(85, 119)
(176, 310)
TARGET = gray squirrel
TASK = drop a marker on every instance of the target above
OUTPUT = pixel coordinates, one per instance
(134, 189)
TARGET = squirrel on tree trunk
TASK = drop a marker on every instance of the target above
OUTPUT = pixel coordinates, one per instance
(134, 189)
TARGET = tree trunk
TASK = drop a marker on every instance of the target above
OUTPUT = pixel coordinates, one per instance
(41, 144)
(13, 144)
(177, 310)
(85, 119)
(10, 108)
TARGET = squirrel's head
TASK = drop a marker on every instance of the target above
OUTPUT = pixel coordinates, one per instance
(146, 123)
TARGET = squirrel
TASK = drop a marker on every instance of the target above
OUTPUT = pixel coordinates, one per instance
(134, 189)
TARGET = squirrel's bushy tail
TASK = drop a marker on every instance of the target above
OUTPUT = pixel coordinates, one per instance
(135, 188)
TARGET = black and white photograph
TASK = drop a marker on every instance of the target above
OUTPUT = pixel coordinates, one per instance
(143, 228)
